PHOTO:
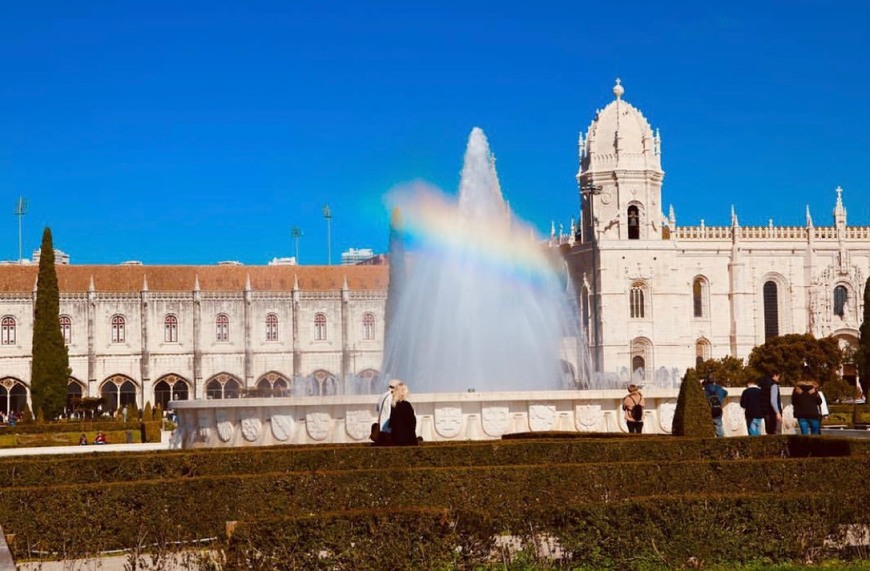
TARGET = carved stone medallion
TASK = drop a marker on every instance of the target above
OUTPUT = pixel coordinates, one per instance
(317, 424)
(587, 417)
(203, 425)
(358, 424)
(282, 426)
(448, 421)
(542, 417)
(224, 419)
(495, 420)
(251, 425)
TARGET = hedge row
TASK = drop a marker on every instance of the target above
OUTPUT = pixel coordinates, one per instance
(191, 508)
(79, 426)
(147, 466)
(651, 533)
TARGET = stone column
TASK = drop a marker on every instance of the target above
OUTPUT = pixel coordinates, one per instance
(91, 389)
(145, 360)
(198, 390)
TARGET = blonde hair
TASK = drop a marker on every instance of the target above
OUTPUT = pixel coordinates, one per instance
(400, 393)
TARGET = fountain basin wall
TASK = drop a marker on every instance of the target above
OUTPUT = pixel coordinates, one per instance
(440, 417)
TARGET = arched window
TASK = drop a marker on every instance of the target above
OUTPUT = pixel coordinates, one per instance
(638, 365)
(633, 223)
(841, 297)
(222, 328)
(703, 351)
(119, 325)
(320, 327)
(7, 331)
(66, 328)
(271, 327)
(223, 387)
(771, 310)
(368, 323)
(699, 297)
(170, 329)
(636, 295)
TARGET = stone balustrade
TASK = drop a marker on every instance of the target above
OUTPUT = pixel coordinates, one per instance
(440, 416)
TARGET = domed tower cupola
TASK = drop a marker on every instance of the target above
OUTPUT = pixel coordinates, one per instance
(620, 174)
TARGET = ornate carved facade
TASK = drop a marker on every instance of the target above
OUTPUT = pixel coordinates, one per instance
(655, 295)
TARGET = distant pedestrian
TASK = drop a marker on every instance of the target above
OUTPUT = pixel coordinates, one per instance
(752, 403)
(633, 405)
(807, 404)
(716, 396)
(403, 421)
(100, 439)
(83, 440)
(772, 402)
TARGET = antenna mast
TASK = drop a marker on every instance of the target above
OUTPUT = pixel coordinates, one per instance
(20, 211)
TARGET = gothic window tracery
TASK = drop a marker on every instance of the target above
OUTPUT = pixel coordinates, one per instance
(271, 327)
(320, 327)
(66, 328)
(119, 329)
(368, 322)
(222, 328)
(636, 301)
(170, 329)
(7, 331)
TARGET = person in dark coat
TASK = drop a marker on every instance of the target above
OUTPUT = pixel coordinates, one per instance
(772, 403)
(403, 422)
(752, 404)
(807, 405)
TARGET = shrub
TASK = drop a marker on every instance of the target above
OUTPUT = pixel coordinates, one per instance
(692, 415)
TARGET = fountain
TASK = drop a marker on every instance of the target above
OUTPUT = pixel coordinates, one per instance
(483, 326)
(483, 306)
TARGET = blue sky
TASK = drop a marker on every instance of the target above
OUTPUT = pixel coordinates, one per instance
(194, 132)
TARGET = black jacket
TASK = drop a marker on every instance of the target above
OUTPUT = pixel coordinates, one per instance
(403, 424)
(752, 402)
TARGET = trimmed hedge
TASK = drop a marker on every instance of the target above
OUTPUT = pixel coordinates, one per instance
(67, 434)
(649, 533)
(106, 467)
(192, 508)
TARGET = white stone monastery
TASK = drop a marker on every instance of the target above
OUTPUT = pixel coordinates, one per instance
(655, 297)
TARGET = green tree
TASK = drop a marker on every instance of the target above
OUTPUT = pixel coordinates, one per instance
(862, 356)
(692, 416)
(729, 371)
(50, 368)
(790, 354)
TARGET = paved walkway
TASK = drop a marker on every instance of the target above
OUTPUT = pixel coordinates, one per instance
(90, 448)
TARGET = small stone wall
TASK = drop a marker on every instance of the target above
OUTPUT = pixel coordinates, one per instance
(440, 417)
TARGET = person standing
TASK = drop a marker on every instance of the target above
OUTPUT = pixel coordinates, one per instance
(403, 421)
(633, 404)
(807, 405)
(772, 403)
(716, 396)
(753, 408)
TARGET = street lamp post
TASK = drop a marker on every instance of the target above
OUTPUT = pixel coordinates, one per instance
(296, 233)
(327, 213)
(589, 191)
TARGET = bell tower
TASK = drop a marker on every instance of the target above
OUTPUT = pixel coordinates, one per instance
(620, 175)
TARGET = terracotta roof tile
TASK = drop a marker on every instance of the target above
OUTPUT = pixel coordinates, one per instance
(121, 279)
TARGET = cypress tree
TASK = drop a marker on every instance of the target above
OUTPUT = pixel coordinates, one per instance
(50, 368)
(692, 416)
(863, 355)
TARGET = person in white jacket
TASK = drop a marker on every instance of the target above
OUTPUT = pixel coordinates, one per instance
(385, 405)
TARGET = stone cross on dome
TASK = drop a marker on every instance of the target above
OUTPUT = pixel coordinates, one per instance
(618, 90)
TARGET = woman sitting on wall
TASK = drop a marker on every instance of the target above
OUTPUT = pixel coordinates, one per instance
(403, 422)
